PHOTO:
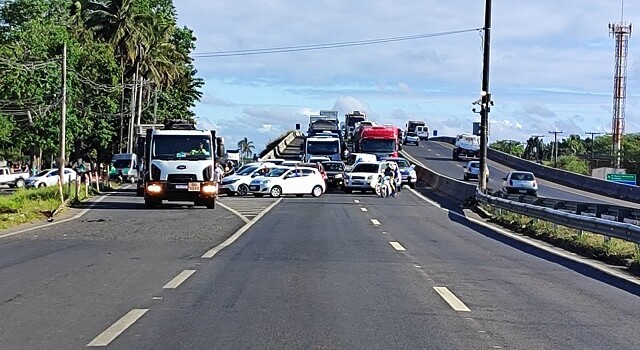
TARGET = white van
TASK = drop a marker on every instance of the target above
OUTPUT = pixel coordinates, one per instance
(423, 132)
(126, 165)
(355, 158)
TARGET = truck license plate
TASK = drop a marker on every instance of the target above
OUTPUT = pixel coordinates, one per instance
(181, 187)
(194, 186)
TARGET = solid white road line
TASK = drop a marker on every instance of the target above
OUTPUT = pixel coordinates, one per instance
(397, 246)
(111, 333)
(363, 209)
(375, 222)
(451, 299)
(177, 281)
(235, 212)
(213, 251)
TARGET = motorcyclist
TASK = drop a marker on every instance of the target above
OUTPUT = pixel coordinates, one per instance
(389, 172)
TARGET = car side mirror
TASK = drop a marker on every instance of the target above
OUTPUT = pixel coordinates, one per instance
(413, 166)
(504, 178)
(464, 166)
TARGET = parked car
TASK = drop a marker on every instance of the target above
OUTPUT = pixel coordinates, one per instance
(11, 179)
(363, 177)
(285, 180)
(407, 171)
(520, 182)
(472, 170)
(238, 183)
(49, 177)
(335, 171)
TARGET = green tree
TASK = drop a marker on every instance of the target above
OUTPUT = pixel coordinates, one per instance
(573, 164)
(515, 148)
(246, 147)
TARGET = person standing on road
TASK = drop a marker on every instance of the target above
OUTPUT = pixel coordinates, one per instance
(218, 173)
(397, 177)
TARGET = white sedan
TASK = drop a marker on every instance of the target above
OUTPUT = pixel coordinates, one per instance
(286, 180)
(49, 177)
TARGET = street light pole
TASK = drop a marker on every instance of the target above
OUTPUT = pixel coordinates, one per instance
(485, 98)
(592, 144)
(555, 147)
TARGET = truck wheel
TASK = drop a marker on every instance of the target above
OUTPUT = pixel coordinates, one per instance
(150, 203)
(19, 183)
(242, 190)
(211, 204)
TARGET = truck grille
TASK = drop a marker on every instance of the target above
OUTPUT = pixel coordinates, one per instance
(181, 178)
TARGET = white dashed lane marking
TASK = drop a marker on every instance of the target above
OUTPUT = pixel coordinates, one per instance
(363, 209)
(451, 299)
(375, 222)
(111, 333)
(397, 246)
(178, 280)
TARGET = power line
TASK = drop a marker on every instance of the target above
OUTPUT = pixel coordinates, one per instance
(327, 45)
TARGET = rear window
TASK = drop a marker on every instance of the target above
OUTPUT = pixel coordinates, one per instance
(522, 176)
(474, 165)
(366, 168)
(333, 166)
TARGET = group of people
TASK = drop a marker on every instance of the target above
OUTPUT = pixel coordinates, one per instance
(395, 178)
(223, 170)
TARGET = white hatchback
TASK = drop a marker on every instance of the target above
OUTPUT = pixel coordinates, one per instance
(238, 183)
(49, 177)
(284, 180)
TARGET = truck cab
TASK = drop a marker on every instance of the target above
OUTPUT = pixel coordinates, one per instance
(180, 166)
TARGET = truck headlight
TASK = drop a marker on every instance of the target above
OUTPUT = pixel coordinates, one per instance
(154, 188)
(209, 188)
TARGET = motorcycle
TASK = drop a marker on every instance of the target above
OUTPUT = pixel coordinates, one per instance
(383, 188)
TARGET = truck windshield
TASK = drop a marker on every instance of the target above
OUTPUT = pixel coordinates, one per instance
(183, 147)
(378, 146)
(323, 147)
(354, 120)
(122, 163)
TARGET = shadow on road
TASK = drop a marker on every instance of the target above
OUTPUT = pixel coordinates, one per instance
(570, 264)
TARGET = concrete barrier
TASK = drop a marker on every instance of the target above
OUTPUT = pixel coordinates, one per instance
(275, 152)
(454, 189)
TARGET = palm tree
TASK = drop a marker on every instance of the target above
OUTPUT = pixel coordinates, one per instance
(246, 147)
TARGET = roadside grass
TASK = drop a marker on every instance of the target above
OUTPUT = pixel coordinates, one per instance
(27, 205)
(614, 251)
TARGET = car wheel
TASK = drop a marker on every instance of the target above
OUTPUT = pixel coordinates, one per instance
(275, 192)
(19, 183)
(41, 185)
(347, 191)
(317, 191)
(465, 177)
(243, 190)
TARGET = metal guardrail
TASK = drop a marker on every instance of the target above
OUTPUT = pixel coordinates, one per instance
(609, 228)
(621, 214)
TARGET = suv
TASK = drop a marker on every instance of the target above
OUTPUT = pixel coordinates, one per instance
(472, 170)
(335, 172)
(364, 176)
(523, 182)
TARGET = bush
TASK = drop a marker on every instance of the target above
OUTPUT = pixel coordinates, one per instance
(573, 164)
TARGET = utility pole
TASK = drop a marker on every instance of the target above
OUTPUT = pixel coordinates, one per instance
(485, 96)
(555, 147)
(155, 104)
(63, 118)
(592, 144)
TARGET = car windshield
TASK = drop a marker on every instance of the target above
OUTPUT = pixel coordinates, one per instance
(522, 176)
(42, 173)
(323, 147)
(378, 146)
(366, 168)
(333, 166)
(474, 165)
(355, 120)
(401, 163)
(122, 163)
(183, 147)
(247, 171)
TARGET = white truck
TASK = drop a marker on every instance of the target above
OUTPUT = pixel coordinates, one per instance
(180, 165)
(328, 146)
(11, 179)
(467, 145)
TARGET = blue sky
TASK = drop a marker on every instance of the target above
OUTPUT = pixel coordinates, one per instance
(552, 64)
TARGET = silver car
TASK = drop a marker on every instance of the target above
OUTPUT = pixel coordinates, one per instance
(520, 182)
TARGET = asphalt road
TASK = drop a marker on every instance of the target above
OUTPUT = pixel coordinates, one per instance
(335, 272)
(437, 156)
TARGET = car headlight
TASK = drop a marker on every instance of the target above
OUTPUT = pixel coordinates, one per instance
(266, 181)
(338, 176)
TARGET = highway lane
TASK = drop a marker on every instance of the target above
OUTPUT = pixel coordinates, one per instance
(361, 272)
(62, 284)
(437, 156)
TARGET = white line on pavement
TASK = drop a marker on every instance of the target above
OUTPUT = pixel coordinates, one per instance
(177, 281)
(397, 246)
(356, 201)
(213, 251)
(451, 299)
(235, 212)
(363, 209)
(111, 333)
(375, 222)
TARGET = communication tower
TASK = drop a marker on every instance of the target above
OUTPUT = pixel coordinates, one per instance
(621, 33)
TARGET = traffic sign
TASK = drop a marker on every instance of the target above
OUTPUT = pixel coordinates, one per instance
(628, 179)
